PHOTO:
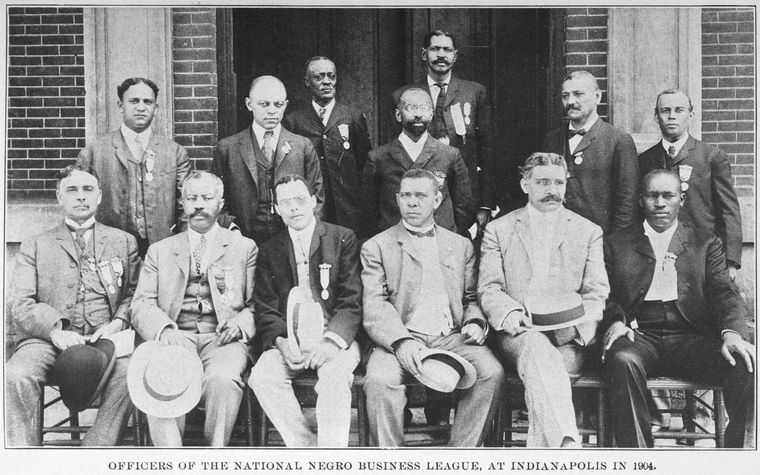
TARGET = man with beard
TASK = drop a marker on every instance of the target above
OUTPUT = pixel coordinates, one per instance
(542, 285)
(415, 148)
(339, 133)
(601, 159)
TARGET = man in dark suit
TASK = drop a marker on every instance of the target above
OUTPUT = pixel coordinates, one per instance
(415, 148)
(339, 133)
(253, 160)
(461, 118)
(72, 284)
(322, 259)
(673, 310)
(711, 204)
(601, 159)
(140, 172)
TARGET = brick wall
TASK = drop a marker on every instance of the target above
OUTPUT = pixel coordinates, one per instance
(195, 82)
(45, 96)
(728, 92)
(586, 46)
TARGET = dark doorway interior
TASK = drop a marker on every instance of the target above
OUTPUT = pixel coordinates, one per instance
(511, 51)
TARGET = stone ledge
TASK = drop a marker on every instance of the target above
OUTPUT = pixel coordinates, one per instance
(26, 217)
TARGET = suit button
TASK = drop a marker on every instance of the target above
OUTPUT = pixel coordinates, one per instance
(68, 305)
(324, 136)
(71, 286)
(641, 292)
(72, 265)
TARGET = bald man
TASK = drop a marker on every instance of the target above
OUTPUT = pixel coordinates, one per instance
(251, 161)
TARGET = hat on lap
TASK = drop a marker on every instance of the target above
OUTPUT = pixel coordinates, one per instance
(445, 371)
(82, 371)
(555, 311)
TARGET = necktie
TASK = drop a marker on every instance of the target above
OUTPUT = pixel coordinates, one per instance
(574, 132)
(438, 126)
(267, 147)
(322, 112)
(79, 236)
(671, 156)
(139, 148)
(428, 233)
(198, 253)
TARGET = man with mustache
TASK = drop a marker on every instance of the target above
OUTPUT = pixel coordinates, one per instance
(415, 148)
(196, 290)
(339, 134)
(544, 261)
(140, 171)
(601, 159)
(461, 118)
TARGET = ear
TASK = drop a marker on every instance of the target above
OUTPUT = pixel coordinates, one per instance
(277, 210)
(454, 58)
(100, 196)
(424, 54)
(438, 200)
(398, 115)
(58, 196)
(524, 185)
(249, 104)
(598, 96)
(120, 104)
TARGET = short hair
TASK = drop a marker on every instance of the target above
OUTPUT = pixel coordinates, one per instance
(420, 174)
(69, 170)
(314, 59)
(129, 82)
(401, 101)
(672, 91)
(541, 159)
(430, 35)
(259, 79)
(201, 174)
(290, 178)
(655, 173)
(582, 75)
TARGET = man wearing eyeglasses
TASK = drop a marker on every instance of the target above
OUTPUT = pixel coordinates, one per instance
(253, 160)
(323, 259)
(415, 148)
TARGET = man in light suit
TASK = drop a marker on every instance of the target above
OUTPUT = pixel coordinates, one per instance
(601, 159)
(461, 118)
(140, 172)
(673, 311)
(196, 290)
(531, 255)
(324, 259)
(72, 284)
(253, 160)
(416, 149)
(710, 201)
(419, 291)
(339, 134)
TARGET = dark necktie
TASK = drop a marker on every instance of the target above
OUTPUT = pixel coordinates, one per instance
(671, 156)
(267, 146)
(574, 132)
(79, 236)
(322, 112)
(438, 128)
(428, 233)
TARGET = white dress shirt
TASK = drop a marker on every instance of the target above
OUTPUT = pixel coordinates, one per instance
(259, 132)
(576, 139)
(87, 224)
(414, 149)
(328, 110)
(195, 241)
(678, 145)
(664, 285)
(131, 137)
(433, 86)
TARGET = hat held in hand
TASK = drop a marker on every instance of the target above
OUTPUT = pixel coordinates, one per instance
(445, 371)
(555, 311)
(82, 371)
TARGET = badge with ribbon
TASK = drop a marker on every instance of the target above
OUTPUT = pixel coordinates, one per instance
(118, 270)
(440, 178)
(150, 164)
(467, 109)
(578, 158)
(324, 279)
(343, 129)
(684, 173)
(105, 271)
(458, 119)
(669, 268)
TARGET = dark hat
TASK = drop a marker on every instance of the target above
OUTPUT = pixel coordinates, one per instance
(81, 372)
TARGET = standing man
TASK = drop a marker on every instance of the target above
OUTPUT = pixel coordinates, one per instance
(461, 118)
(710, 203)
(339, 134)
(416, 149)
(196, 290)
(419, 292)
(253, 160)
(140, 172)
(544, 260)
(673, 311)
(601, 159)
(323, 259)
(72, 285)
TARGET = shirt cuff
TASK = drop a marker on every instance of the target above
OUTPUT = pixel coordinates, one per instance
(483, 325)
(337, 339)
(723, 333)
(171, 325)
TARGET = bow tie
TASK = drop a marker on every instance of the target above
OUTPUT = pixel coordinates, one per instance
(428, 233)
(574, 132)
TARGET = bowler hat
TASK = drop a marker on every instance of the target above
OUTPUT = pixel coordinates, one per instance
(305, 321)
(445, 371)
(164, 380)
(81, 372)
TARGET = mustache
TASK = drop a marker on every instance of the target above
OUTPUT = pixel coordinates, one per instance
(441, 61)
(570, 107)
(550, 197)
(197, 213)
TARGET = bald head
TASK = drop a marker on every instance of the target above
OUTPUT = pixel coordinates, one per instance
(267, 100)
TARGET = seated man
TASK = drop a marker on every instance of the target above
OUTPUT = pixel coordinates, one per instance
(322, 259)
(196, 290)
(419, 291)
(72, 285)
(533, 256)
(679, 313)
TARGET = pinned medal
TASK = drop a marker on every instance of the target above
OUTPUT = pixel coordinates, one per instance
(343, 130)
(684, 186)
(149, 176)
(111, 289)
(324, 279)
(578, 158)
(684, 173)
(346, 145)
(150, 164)
(118, 270)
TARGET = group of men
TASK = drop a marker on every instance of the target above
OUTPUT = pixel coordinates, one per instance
(378, 239)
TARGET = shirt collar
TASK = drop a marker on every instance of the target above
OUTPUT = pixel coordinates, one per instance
(259, 132)
(328, 107)
(73, 224)
(130, 135)
(432, 82)
(195, 236)
(651, 233)
(416, 229)
(678, 144)
(538, 216)
(588, 124)
(409, 143)
(303, 235)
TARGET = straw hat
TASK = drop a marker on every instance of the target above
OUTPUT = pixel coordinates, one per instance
(445, 371)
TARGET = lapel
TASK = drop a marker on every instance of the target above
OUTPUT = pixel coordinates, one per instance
(522, 229)
(218, 246)
(405, 241)
(335, 117)
(279, 155)
(63, 236)
(589, 138)
(397, 151)
(685, 152)
(562, 229)
(445, 253)
(644, 247)
(678, 242)
(286, 249)
(316, 239)
(182, 256)
(120, 148)
(426, 154)
(99, 240)
(249, 151)
(451, 91)
(216, 251)
(313, 117)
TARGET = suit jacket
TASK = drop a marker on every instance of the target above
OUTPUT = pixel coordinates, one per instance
(164, 276)
(392, 278)
(46, 278)
(235, 164)
(604, 186)
(711, 203)
(386, 166)
(277, 274)
(108, 156)
(476, 144)
(707, 298)
(341, 167)
(576, 266)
